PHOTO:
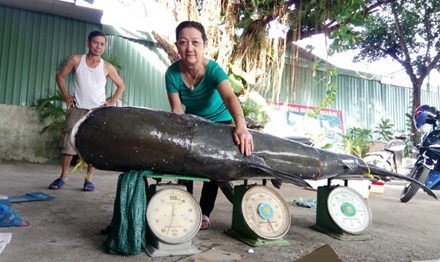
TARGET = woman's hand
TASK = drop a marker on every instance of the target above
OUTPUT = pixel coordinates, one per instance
(244, 139)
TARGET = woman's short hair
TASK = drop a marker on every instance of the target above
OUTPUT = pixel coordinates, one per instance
(191, 24)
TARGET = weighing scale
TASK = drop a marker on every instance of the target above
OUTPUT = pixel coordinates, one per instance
(260, 216)
(342, 213)
(173, 218)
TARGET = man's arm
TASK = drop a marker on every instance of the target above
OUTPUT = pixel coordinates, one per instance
(65, 70)
(114, 76)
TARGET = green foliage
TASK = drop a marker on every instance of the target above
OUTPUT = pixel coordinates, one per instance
(383, 129)
(406, 31)
(409, 144)
(343, 39)
(239, 78)
(327, 146)
(357, 141)
(330, 95)
(255, 107)
(326, 16)
(401, 28)
(236, 83)
(51, 109)
(114, 60)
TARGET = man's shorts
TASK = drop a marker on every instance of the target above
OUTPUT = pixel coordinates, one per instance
(73, 116)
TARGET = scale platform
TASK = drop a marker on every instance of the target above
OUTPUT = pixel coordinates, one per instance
(342, 213)
(173, 218)
(156, 248)
(260, 216)
(256, 242)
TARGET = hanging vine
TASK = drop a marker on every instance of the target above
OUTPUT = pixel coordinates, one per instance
(237, 37)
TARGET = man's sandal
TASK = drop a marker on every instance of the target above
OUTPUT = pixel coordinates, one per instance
(57, 184)
(88, 186)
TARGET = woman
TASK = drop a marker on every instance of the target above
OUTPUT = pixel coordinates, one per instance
(203, 87)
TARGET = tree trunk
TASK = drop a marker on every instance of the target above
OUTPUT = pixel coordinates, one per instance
(416, 94)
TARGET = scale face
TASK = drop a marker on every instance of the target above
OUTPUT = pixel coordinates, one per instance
(173, 216)
(349, 210)
(265, 212)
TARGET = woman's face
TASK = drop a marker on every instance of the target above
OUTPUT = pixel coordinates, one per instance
(190, 45)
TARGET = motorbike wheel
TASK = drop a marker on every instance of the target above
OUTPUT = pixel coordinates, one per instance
(378, 161)
(419, 173)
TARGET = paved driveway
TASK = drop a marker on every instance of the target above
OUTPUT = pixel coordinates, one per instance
(68, 227)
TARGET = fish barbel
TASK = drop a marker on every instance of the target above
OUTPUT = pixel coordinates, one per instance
(134, 138)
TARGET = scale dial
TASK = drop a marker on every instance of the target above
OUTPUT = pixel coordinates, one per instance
(173, 215)
(265, 212)
(349, 210)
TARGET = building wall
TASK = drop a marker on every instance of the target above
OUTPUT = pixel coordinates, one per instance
(34, 45)
(143, 72)
(21, 138)
(363, 100)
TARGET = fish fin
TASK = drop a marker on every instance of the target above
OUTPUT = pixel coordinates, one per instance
(276, 182)
(282, 175)
(383, 173)
(228, 189)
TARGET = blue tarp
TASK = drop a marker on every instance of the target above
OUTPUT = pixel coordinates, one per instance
(8, 217)
(33, 196)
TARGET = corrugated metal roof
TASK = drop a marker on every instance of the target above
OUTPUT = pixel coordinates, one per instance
(34, 45)
(59, 8)
(143, 73)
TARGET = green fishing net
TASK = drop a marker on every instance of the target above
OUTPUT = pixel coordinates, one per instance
(127, 234)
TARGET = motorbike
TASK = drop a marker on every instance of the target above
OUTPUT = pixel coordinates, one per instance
(390, 157)
(427, 167)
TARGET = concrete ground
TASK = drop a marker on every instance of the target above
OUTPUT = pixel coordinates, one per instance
(68, 228)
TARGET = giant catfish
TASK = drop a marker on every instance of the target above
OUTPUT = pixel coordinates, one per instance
(134, 138)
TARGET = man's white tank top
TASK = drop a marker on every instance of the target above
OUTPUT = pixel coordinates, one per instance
(89, 85)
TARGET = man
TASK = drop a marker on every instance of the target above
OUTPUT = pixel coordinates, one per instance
(90, 73)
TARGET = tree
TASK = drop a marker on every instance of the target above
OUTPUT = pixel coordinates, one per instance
(408, 32)
(252, 58)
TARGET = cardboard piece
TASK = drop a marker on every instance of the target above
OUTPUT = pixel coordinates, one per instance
(213, 255)
(322, 254)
